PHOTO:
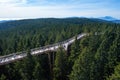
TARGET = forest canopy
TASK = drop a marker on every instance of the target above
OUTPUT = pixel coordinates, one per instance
(95, 57)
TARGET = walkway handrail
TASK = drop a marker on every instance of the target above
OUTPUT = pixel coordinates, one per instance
(19, 55)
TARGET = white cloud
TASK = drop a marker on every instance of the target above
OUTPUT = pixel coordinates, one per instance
(7, 1)
(11, 9)
(51, 11)
(12, 2)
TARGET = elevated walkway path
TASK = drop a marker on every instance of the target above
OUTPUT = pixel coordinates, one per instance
(20, 55)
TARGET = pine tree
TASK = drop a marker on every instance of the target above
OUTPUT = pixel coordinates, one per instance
(3, 77)
(81, 68)
(38, 72)
(100, 67)
(59, 69)
(28, 66)
(116, 74)
(75, 49)
(1, 43)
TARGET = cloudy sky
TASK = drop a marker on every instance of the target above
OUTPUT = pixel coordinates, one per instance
(20, 9)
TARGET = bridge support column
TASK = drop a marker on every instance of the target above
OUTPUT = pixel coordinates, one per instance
(65, 46)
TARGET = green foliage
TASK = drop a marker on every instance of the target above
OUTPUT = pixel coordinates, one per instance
(116, 74)
(60, 65)
(3, 77)
(94, 57)
(28, 66)
(75, 49)
(83, 65)
(38, 75)
(80, 71)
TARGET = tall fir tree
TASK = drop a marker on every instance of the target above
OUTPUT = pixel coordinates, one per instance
(59, 69)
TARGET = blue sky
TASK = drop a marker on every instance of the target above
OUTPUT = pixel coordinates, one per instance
(24, 9)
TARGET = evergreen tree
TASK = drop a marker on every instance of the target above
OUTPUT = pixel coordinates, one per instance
(81, 67)
(1, 50)
(75, 49)
(38, 72)
(97, 55)
(3, 77)
(59, 69)
(116, 74)
(102, 55)
(28, 66)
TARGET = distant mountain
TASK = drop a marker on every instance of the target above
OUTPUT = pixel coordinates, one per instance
(2, 21)
(109, 18)
(116, 21)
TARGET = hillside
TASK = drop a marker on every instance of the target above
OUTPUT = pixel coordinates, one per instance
(95, 56)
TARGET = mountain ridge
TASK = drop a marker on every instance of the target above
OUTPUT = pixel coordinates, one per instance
(108, 18)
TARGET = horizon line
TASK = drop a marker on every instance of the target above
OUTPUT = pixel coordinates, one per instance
(7, 19)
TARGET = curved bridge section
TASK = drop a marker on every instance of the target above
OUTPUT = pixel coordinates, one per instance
(17, 56)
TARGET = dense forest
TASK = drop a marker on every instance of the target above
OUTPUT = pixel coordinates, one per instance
(94, 57)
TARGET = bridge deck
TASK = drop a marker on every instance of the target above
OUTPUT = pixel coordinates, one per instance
(19, 55)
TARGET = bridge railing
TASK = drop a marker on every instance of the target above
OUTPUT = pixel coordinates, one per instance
(60, 43)
(44, 47)
(23, 53)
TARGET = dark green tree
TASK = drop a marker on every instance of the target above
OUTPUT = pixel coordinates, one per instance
(38, 72)
(3, 77)
(116, 74)
(81, 67)
(59, 69)
(28, 67)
